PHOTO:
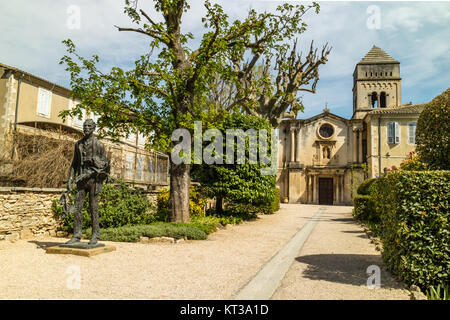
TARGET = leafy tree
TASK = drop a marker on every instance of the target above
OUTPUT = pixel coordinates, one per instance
(433, 133)
(238, 183)
(169, 86)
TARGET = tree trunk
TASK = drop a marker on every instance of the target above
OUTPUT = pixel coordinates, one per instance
(180, 182)
(219, 205)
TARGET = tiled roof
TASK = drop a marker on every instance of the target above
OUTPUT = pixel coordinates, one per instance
(415, 108)
(377, 55)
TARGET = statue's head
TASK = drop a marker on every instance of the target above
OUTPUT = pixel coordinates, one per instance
(88, 127)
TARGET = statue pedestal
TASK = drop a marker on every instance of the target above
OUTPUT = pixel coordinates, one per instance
(80, 249)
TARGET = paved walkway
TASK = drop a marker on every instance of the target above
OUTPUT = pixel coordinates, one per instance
(304, 252)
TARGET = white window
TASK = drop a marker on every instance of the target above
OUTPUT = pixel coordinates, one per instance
(141, 139)
(77, 121)
(129, 161)
(393, 133)
(412, 132)
(44, 102)
(150, 165)
(140, 166)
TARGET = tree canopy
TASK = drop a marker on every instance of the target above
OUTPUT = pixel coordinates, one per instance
(169, 86)
(239, 183)
(433, 133)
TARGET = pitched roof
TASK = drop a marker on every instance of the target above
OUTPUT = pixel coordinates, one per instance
(325, 113)
(377, 55)
(415, 108)
(4, 66)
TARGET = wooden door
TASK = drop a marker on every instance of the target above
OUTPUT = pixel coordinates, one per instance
(326, 191)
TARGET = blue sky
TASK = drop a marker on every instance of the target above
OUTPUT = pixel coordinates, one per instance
(415, 33)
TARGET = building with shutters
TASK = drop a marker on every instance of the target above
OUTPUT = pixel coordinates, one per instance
(31, 105)
(322, 160)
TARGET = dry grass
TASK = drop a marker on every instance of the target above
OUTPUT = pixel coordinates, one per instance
(39, 161)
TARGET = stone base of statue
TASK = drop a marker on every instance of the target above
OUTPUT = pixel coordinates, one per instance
(81, 249)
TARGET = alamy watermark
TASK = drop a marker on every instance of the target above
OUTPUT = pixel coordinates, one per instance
(74, 17)
(374, 19)
(214, 153)
(374, 280)
(73, 281)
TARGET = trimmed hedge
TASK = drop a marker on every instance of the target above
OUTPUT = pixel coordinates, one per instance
(364, 208)
(363, 188)
(433, 132)
(134, 233)
(364, 202)
(414, 209)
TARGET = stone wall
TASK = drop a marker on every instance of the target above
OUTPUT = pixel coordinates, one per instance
(26, 212)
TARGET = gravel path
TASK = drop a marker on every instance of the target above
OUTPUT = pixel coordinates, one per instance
(333, 262)
(217, 268)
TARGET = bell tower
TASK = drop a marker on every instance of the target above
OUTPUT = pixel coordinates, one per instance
(376, 83)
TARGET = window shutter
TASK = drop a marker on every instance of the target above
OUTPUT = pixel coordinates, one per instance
(397, 132)
(412, 132)
(390, 132)
(44, 101)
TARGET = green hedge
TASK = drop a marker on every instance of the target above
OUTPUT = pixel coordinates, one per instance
(364, 202)
(364, 208)
(414, 209)
(161, 229)
(363, 188)
(273, 205)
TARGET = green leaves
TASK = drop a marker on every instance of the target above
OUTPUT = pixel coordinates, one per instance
(118, 205)
(241, 184)
(414, 208)
(433, 133)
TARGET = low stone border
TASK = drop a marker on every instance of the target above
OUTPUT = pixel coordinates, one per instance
(160, 239)
(35, 190)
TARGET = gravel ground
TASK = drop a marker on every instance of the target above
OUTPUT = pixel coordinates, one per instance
(216, 268)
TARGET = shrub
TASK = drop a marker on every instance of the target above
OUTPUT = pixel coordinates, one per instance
(433, 132)
(363, 188)
(274, 206)
(364, 209)
(364, 202)
(197, 203)
(413, 163)
(134, 233)
(414, 210)
(118, 205)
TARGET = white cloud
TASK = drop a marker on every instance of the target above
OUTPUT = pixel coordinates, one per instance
(416, 34)
(416, 16)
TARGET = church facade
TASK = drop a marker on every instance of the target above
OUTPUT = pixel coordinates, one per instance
(323, 159)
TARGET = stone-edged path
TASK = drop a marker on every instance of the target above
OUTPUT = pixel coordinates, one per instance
(329, 264)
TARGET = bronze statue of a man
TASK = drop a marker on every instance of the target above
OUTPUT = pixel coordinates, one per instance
(90, 167)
